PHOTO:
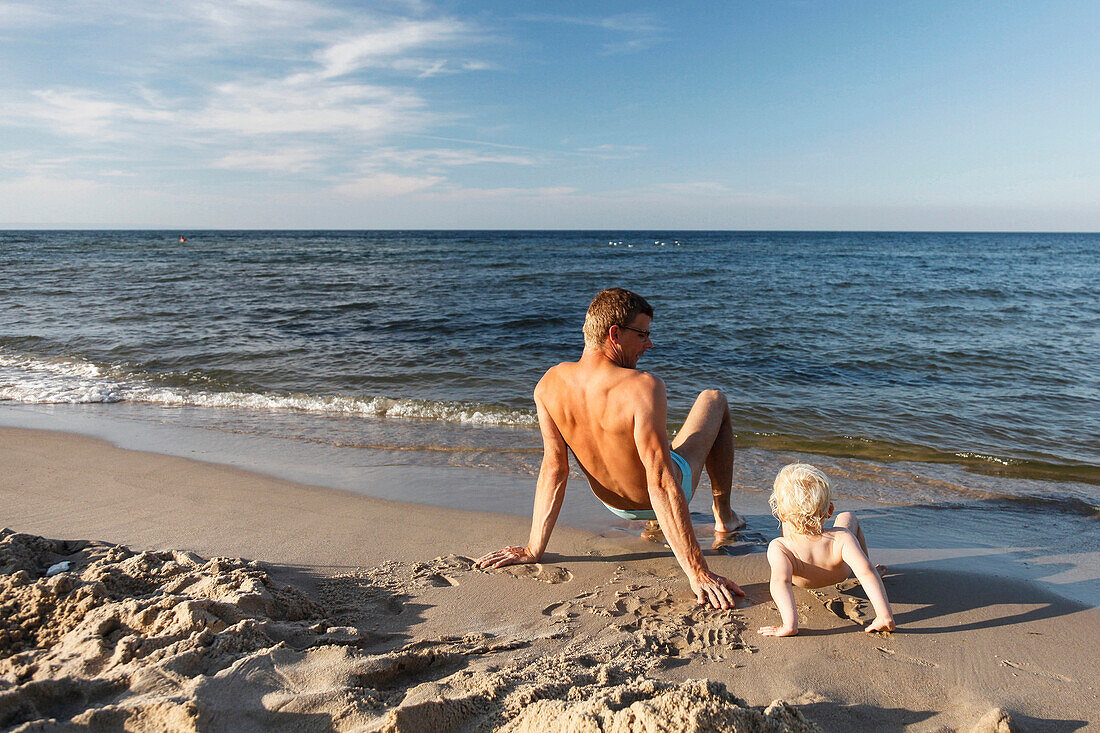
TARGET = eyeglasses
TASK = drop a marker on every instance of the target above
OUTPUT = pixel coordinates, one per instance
(645, 334)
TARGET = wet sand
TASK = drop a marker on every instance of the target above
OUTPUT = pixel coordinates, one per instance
(337, 611)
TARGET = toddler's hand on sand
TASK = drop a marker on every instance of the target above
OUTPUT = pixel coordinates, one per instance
(711, 588)
(506, 556)
(776, 631)
(880, 625)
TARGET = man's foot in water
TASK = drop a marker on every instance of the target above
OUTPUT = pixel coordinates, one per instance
(725, 519)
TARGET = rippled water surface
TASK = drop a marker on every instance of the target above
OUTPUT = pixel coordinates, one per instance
(979, 351)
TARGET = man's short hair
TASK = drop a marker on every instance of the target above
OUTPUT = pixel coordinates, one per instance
(612, 307)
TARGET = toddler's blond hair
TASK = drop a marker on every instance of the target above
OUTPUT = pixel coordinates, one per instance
(801, 494)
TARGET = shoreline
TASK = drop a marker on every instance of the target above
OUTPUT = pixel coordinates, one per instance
(968, 642)
(1053, 542)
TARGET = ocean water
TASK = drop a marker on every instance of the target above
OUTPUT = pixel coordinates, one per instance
(950, 363)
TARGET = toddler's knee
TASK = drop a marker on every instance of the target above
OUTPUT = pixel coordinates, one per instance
(846, 519)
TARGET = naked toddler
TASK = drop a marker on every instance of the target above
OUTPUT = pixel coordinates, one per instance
(810, 556)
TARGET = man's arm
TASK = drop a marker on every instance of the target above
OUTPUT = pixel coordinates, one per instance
(549, 493)
(667, 498)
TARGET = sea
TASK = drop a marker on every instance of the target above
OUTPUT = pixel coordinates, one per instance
(977, 350)
(920, 369)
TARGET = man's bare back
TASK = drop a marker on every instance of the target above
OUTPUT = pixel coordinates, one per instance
(614, 418)
(593, 404)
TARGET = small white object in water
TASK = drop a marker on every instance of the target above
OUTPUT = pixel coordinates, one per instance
(58, 568)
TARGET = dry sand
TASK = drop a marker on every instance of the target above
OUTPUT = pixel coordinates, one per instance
(357, 614)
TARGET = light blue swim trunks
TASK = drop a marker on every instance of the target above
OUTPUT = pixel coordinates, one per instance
(685, 486)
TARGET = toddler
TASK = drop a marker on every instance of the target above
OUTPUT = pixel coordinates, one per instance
(810, 556)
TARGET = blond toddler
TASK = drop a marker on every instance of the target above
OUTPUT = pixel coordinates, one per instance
(810, 556)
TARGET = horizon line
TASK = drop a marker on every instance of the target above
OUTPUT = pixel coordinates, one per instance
(184, 230)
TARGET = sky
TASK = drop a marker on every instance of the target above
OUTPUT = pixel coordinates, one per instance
(300, 114)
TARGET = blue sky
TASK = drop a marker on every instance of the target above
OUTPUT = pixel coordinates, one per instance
(735, 115)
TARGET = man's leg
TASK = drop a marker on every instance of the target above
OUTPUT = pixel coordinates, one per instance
(706, 440)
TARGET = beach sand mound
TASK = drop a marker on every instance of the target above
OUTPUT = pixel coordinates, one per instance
(171, 641)
(582, 693)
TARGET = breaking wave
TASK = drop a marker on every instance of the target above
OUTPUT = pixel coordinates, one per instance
(75, 381)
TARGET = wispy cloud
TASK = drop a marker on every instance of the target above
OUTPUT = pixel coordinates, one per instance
(623, 22)
(385, 45)
(613, 152)
(385, 185)
(21, 15)
(642, 28)
(294, 106)
(286, 160)
(207, 89)
(467, 193)
(79, 112)
(445, 157)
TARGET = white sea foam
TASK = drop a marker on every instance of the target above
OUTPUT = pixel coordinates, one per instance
(73, 381)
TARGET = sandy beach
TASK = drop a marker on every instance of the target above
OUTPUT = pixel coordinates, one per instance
(331, 610)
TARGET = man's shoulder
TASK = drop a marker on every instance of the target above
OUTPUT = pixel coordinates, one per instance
(558, 370)
(553, 377)
(644, 382)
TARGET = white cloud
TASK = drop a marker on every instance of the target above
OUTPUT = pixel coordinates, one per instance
(445, 157)
(266, 107)
(634, 45)
(258, 17)
(613, 152)
(458, 193)
(642, 26)
(297, 89)
(696, 188)
(286, 160)
(370, 47)
(46, 198)
(622, 22)
(80, 112)
(15, 15)
(293, 106)
(386, 185)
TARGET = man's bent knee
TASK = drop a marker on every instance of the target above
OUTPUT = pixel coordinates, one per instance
(714, 396)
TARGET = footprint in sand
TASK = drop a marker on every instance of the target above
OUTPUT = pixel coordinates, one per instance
(565, 609)
(908, 660)
(1039, 672)
(669, 624)
(846, 608)
(440, 572)
(551, 574)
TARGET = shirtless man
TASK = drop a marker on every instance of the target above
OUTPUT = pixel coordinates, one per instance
(613, 418)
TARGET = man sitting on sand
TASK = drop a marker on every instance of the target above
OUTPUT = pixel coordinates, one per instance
(613, 418)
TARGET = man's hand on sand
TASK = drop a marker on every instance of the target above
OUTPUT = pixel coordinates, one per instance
(507, 556)
(711, 588)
